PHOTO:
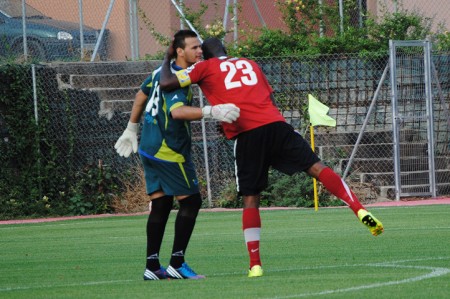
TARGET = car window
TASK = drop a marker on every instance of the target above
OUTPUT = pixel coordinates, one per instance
(13, 9)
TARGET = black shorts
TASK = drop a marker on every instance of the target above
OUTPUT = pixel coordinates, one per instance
(275, 145)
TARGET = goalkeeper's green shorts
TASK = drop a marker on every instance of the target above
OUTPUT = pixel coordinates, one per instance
(171, 177)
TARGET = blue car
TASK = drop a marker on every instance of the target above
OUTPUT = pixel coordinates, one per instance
(47, 39)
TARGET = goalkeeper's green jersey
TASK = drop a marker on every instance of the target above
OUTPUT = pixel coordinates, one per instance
(164, 138)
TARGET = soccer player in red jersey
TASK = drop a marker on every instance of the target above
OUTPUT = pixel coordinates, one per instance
(263, 138)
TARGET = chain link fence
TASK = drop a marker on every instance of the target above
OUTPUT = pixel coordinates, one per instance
(91, 101)
(123, 30)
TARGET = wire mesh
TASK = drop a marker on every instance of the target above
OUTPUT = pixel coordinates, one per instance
(422, 159)
(90, 102)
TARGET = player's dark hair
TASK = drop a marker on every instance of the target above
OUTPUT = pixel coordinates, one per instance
(213, 47)
(179, 39)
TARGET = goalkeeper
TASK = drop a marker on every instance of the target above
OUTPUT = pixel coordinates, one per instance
(165, 150)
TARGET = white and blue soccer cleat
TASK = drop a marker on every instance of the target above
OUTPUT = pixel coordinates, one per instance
(155, 275)
(184, 272)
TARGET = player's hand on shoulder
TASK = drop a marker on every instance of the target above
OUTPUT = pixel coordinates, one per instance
(170, 53)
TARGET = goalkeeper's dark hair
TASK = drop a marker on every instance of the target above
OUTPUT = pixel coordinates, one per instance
(213, 47)
(179, 39)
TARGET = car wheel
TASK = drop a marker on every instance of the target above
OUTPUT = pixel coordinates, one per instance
(35, 49)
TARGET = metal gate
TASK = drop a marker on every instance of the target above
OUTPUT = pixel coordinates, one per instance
(412, 112)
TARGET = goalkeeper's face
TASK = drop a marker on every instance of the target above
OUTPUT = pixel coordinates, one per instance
(191, 53)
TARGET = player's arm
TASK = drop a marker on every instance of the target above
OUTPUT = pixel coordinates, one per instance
(168, 81)
(223, 112)
(140, 100)
(187, 113)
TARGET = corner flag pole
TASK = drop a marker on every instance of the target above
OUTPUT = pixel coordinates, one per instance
(316, 196)
(317, 117)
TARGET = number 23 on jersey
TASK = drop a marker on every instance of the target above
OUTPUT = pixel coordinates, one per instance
(234, 78)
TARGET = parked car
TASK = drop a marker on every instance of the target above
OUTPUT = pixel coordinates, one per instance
(47, 39)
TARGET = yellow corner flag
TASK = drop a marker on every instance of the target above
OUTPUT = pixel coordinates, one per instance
(318, 113)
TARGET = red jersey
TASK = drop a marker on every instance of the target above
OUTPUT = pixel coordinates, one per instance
(239, 81)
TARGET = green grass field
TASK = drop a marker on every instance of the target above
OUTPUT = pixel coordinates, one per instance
(305, 254)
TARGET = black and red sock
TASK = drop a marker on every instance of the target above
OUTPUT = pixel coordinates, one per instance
(251, 225)
(336, 185)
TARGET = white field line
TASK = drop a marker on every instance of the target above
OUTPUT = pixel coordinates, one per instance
(433, 272)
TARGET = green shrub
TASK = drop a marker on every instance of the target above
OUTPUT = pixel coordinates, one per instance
(402, 25)
(28, 182)
(302, 34)
(283, 191)
(312, 29)
(294, 191)
(94, 190)
(228, 197)
(442, 40)
(38, 177)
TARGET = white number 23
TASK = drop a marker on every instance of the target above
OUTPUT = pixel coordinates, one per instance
(231, 81)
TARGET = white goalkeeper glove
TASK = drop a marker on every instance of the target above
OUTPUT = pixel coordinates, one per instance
(128, 143)
(223, 112)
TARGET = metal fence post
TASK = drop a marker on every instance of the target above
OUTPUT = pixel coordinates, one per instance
(430, 116)
(341, 15)
(205, 151)
(181, 19)
(102, 31)
(180, 11)
(225, 16)
(80, 11)
(134, 33)
(395, 120)
(33, 76)
(36, 118)
(24, 29)
(235, 10)
(261, 19)
(366, 121)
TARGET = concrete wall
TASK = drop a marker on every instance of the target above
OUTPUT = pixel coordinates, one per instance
(164, 17)
(438, 10)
